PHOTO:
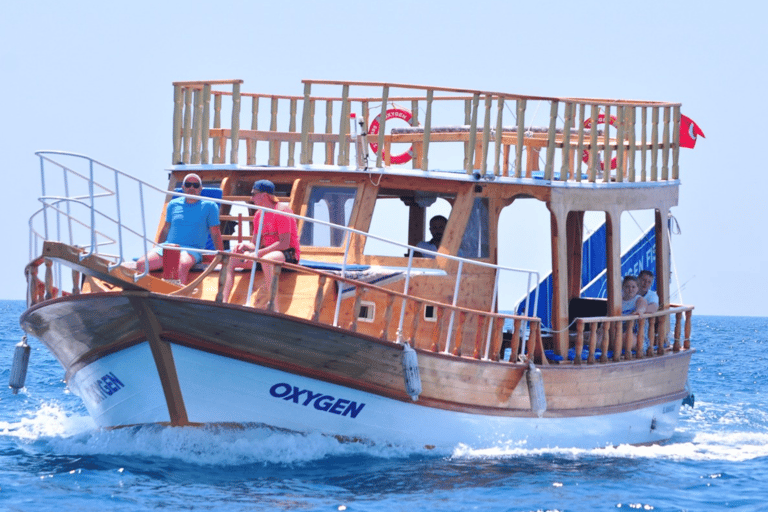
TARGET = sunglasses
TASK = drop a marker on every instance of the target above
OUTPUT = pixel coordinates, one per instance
(192, 184)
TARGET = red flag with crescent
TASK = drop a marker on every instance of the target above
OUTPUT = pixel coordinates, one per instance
(689, 131)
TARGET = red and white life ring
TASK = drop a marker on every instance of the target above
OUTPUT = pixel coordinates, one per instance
(373, 129)
(588, 124)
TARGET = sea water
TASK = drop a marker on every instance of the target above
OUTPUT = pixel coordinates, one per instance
(53, 458)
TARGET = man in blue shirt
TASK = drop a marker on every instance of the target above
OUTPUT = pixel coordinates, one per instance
(187, 224)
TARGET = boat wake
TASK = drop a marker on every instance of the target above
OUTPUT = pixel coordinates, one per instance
(52, 429)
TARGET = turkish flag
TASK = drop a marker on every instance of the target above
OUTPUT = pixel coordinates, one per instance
(689, 131)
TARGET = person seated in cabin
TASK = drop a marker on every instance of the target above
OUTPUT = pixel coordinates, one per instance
(279, 238)
(645, 281)
(436, 228)
(188, 222)
(632, 303)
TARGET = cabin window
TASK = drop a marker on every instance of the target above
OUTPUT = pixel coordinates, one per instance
(329, 204)
(367, 311)
(474, 243)
(403, 216)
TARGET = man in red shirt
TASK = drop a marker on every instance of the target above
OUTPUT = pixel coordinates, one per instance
(279, 237)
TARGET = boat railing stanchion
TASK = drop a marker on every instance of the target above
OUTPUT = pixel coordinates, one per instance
(92, 248)
(405, 292)
(254, 263)
(343, 276)
(490, 317)
(119, 225)
(144, 232)
(453, 310)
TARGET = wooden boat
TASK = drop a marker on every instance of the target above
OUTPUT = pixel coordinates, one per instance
(370, 340)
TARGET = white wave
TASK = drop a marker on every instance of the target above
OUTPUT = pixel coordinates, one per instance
(51, 428)
(49, 420)
(711, 446)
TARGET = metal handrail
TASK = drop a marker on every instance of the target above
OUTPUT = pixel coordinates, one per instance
(118, 222)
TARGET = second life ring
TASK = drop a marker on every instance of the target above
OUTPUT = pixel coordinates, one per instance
(588, 124)
(373, 129)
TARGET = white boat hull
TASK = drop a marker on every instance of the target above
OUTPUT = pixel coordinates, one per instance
(217, 389)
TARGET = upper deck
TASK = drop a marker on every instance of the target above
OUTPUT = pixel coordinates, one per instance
(486, 134)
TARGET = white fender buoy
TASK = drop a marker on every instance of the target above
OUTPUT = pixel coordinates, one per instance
(536, 389)
(411, 372)
(19, 367)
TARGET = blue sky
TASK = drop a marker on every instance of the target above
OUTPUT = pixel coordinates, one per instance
(95, 78)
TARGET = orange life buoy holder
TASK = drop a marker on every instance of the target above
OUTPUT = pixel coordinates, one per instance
(588, 124)
(373, 129)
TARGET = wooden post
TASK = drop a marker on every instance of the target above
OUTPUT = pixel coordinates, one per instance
(559, 231)
(651, 336)
(593, 144)
(459, 333)
(486, 134)
(632, 143)
(580, 144)
(382, 124)
(187, 136)
(251, 144)
(206, 125)
(607, 151)
(687, 340)
(640, 337)
(235, 127)
(359, 291)
(75, 282)
(178, 107)
(478, 336)
(197, 125)
(274, 286)
(514, 345)
(579, 341)
(418, 307)
(437, 332)
(427, 130)
(499, 137)
(549, 165)
(643, 143)
(663, 267)
(319, 298)
(329, 150)
(274, 145)
(292, 129)
(520, 138)
(470, 162)
(676, 144)
(222, 277)
(620, 167)
(592, 343)
(305, 123)
(678, 332)
(218, 154)
(564, 168)
(343, 158)
(388, 317)
(49, 293)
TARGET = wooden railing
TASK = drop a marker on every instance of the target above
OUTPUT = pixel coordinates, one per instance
(569, 145)
(489, 325)
(624, 337)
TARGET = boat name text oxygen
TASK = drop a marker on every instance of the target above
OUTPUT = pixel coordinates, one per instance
(103, 388)
(320, 401)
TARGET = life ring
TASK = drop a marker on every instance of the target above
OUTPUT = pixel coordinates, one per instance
(588, 124)
(373, 129)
